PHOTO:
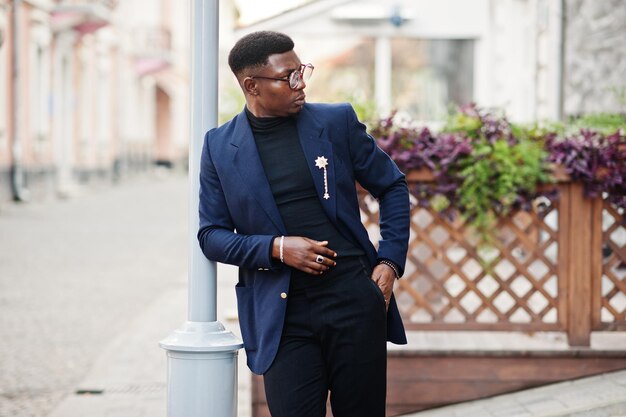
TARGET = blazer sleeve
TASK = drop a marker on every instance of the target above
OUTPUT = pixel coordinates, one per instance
(381, 177)
(216, 233)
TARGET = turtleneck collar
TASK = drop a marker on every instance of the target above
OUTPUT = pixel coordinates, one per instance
(266, 124)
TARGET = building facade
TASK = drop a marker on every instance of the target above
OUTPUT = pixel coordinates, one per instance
(534, 59)
(96, 90)
(91, 90)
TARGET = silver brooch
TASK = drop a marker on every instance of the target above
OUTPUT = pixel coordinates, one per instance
(321, 162)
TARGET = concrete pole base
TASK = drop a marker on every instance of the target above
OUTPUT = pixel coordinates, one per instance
(202, 370)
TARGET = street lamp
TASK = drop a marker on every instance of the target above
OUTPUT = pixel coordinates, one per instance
(201, 354)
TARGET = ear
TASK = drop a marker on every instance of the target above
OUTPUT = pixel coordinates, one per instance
(250, 86)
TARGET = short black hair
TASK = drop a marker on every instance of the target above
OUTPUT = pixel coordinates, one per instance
(253, 49)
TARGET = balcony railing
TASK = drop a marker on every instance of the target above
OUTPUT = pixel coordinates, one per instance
(84, 16)
(108, 4)
(560, 267)
(152, 49)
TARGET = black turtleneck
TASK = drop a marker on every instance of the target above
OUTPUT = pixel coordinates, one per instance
(292, 186)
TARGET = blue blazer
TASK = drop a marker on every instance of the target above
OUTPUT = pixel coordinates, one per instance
(239, 217)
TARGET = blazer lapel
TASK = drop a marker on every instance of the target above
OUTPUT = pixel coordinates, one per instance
(248, 163)
(314, 147)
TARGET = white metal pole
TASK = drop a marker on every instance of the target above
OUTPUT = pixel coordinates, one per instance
(383, 74)
(204, 79)
(202, 354)
(562, 27)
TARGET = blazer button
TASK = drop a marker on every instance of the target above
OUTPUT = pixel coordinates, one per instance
(283, 295)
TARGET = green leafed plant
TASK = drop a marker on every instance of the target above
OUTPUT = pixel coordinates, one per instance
(502, 171)
(495, 176)
(483, 167)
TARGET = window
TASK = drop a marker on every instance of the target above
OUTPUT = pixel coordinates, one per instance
(86, 96)
(345, 72)
(39, 99)
(429, 76)
(39, 105)
(103, 105)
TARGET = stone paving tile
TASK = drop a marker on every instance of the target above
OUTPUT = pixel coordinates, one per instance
(113, 405)
(612, 410)
(462, 410)
(597, 390)
(29, 404)
(546, 405)
(507, 410)
(620, 379)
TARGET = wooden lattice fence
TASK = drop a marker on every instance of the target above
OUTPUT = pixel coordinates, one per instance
(560, 267)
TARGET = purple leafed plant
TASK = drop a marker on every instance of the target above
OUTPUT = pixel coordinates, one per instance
(596, 160)
(416, 148)
(484, 167)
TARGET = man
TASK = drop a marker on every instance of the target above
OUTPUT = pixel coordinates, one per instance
(278, 199)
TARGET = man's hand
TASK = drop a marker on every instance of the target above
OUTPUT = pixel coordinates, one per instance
(301, 253)
(384, 276)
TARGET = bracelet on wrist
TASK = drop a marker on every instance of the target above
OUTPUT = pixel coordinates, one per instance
(280, 249)
(390, 265)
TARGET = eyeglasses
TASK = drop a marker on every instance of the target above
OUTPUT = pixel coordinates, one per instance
(301, 74)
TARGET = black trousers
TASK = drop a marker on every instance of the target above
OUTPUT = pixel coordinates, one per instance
(334, 339)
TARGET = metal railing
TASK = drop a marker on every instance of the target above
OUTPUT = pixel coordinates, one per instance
(152, 41)
(109, 4)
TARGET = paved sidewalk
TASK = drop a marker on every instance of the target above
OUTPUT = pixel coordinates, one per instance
(130, 375)
(77, 272)
(88, 287)
(597, 396)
